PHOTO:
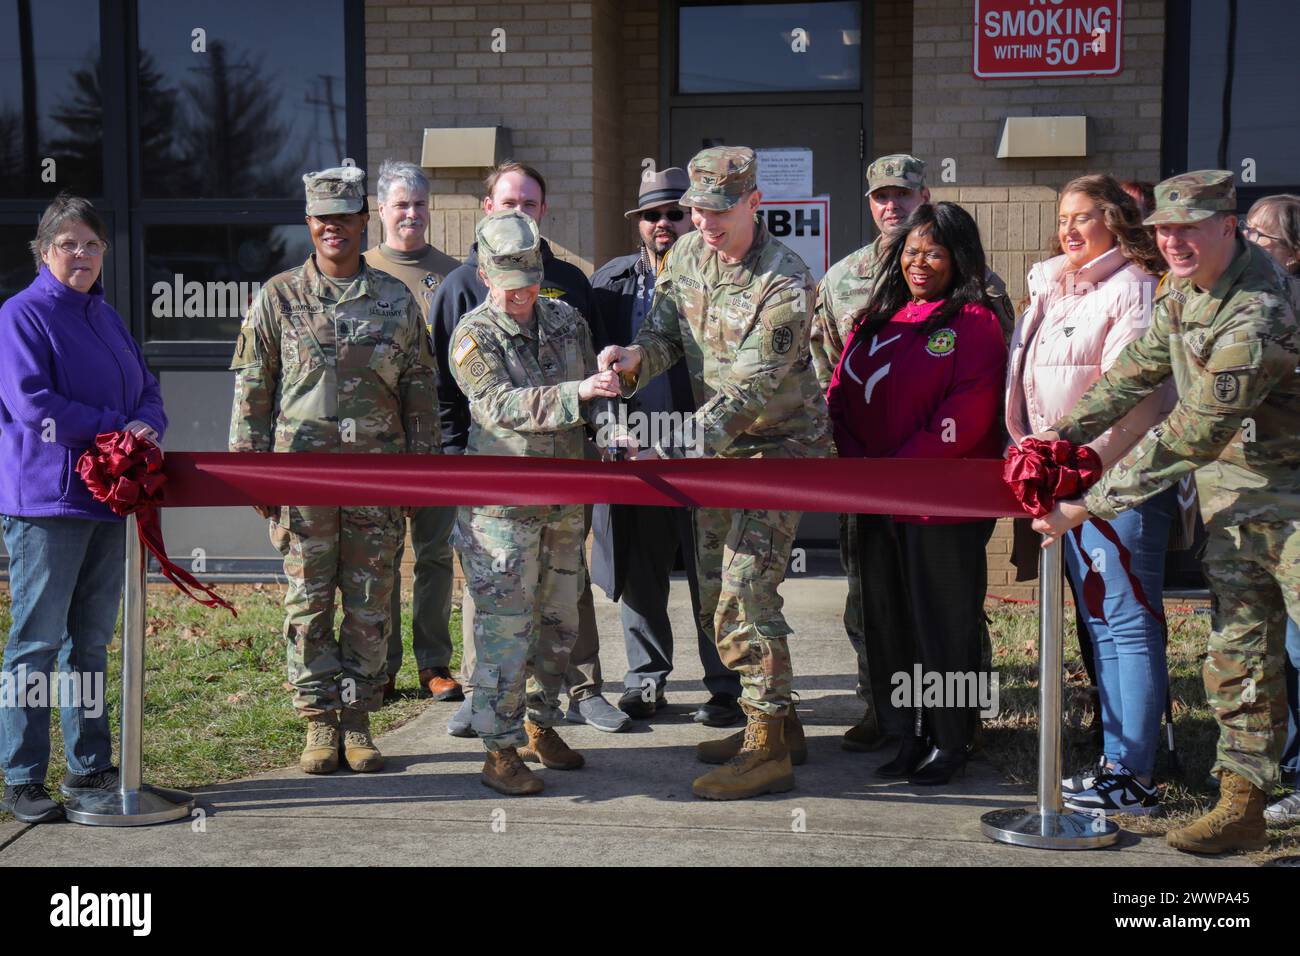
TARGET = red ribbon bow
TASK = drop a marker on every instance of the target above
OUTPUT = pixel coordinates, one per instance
(1042, 473)
(126, 473)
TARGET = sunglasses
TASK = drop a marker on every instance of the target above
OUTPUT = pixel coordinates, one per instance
(654, 215)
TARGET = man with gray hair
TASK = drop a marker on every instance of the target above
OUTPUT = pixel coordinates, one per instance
(405, 253)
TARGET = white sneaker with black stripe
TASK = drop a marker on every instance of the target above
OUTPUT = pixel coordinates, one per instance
(1084, 779)
(1116, 791)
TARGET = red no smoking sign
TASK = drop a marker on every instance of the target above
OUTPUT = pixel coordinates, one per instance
(1018, 38)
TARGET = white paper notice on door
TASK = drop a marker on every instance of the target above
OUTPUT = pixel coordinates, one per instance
(785, 173)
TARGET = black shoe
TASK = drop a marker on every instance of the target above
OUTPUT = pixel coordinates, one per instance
(910, 756)
(634, 704)
(721, 710)
(107, 780)
(31, 803)
(938, 767)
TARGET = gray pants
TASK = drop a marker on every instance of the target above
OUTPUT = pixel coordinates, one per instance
(431, 597)
(658, 534)
(583, 676)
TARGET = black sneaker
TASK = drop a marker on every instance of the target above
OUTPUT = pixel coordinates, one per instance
(1084, 779)
(31, 803)
(1117, 791)
(107, 780)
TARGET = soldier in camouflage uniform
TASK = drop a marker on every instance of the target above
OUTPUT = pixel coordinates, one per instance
(1224, 328)
(737, 304)
(527, 367)
(895, 187)
(333, 356)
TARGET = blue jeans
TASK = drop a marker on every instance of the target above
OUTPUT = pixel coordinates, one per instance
(1132, 677)
(65, 578)
(1291, 752)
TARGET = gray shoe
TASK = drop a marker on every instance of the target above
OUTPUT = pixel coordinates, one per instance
(459, 726)
(599, 713)
(1283, 810)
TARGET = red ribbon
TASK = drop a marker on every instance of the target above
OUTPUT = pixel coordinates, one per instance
(963, 488)
(126, 473)
(1043, 473)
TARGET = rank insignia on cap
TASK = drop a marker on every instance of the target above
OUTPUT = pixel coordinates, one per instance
(942, 342)
(1173, 197)
(463, 348)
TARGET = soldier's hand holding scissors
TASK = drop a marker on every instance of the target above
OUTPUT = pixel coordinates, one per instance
(619, 359)
(601, 385)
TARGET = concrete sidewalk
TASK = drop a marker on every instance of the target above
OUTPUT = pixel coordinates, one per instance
(630, 804)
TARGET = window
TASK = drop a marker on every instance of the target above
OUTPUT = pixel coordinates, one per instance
(200, 280)
(51, 99)
(261, 104)
(1231, 81)
(769, 47)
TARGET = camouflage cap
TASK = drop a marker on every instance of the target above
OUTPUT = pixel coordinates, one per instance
(509, 249)
(897, 169)
(720, 175)
(338, 190)
(1193, 197)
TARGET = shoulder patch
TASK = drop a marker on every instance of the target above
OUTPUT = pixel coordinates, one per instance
(464, 347)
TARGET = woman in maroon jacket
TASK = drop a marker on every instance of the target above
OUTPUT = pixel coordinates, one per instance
(921, 377)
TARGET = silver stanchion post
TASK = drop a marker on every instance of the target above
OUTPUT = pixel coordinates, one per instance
(134, 803)
(1049, 825)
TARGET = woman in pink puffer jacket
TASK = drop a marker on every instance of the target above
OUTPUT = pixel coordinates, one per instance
(1086, 304)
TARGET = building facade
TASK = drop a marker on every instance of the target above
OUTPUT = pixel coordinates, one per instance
(190, 123)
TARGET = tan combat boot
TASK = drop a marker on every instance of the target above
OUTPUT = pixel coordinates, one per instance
(865, 736)
(504, 772)
(1235, 823)
(724, 748)
(321, 752)
(359, 748)
(761, 766)
(545, 746)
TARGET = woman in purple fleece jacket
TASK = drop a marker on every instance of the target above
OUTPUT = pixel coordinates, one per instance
(69, 370)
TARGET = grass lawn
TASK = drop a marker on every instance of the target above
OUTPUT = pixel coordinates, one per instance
(1010, 740)
(216, 710)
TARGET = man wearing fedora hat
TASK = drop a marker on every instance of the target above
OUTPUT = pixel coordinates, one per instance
(635, 548)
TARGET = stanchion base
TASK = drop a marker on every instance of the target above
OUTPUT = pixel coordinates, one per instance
(1068, 830)
(129, 808)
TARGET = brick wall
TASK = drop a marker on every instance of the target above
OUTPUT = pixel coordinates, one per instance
(430, 64)
(958, 116)
(891, 78)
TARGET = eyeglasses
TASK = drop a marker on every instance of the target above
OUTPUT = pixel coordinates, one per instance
(654, 215)
(1254, 235)
(94, 248)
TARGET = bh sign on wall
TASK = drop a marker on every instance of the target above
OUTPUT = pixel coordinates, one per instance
(1019, 38)
(804, 226)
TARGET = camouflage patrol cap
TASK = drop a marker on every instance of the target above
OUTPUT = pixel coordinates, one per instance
(720, 175)
(897, 169)
(1193, 197)
(509, 249)
(338, 190)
